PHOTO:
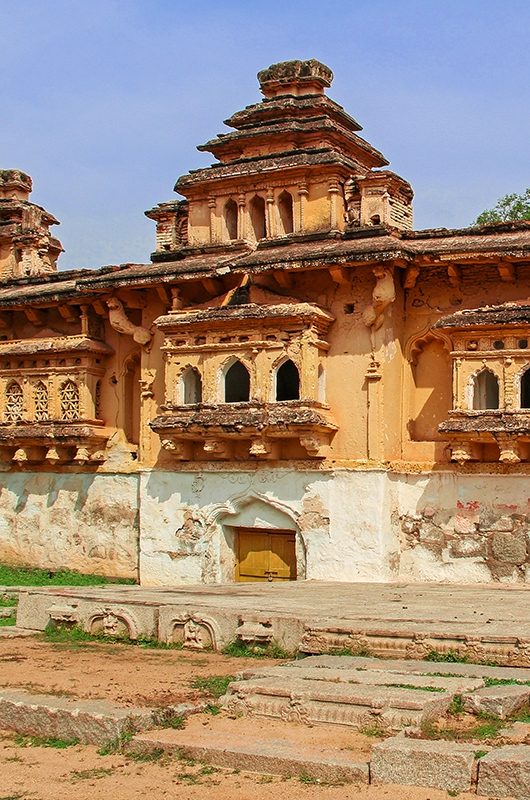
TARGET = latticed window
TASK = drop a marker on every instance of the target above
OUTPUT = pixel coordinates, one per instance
(69, 401)
(41, 401)
(14, 402)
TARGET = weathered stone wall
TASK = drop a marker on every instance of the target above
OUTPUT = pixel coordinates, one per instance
(465, 528)
(87, 523)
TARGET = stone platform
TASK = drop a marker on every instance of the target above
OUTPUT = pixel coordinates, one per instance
(481, 622)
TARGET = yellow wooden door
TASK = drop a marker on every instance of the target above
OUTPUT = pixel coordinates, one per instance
(264, 556)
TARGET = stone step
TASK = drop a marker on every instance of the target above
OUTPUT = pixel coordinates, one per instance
(363, 676)
(12, 632)
(88, 721)
(272, 748)
(310, 701)
(413, 667)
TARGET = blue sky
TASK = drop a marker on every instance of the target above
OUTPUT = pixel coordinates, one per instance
(104, 101)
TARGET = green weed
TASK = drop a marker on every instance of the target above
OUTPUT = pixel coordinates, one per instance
(207, 770)
(75, 635)
(238, 649)
(145, 758)
(5, 622)
(26, 576)
(116, 745)
(215, 685)
(456, 706)
(42, 741)
(411, 686)
(373, 730)
(504, 682)
(8, 602)
(523, 715)
(88, 774)
(450, 656)
(479, 754)
(212, 709)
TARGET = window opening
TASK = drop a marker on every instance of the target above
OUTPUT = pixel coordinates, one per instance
(69, 401)
(97, 401)
(287, 382)
(230, 214)
(257, 217)
(525, 389)
(485, 391)
(285, 208)
(237, 384)
(14, 403)
(191, 386)
(41, 401)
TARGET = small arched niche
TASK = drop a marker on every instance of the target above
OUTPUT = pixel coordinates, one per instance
(525, 388)
(287, 381)
(285, 211)
(230, 217)
(191, 386)
(257, 217)
(485, 390)
(236, 383)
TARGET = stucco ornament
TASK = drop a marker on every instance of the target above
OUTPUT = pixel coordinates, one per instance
(383, 295)
(121, 323)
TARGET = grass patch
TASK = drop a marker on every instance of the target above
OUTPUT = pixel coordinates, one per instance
(26, 576)
(488, 728)
(114, 746)
(214, 685)
(456, 706)
(479, 754)
(523, 715)
(8, 602)
(145, 758)
(374, 730)
(504, 682)
(42, 741)
(212, 709)
(74, 635)
(238, 649)
(450, 656)
(410, 686)
(88, 774)
(5, 622)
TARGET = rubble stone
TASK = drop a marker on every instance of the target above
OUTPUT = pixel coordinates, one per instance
(499, 700)
(505, 772)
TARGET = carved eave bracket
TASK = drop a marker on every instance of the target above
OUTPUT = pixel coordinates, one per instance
(121, 323)
(53, 443)
(383, 295)
(472, 433)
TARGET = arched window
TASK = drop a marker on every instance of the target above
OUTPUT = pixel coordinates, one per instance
(257, 217)
(14, 402)
(237, 383)
(485, 390)
(287, 381)
(69, 394)
(230, 215)
(40, 397)
(285, 209)
(525, 389)
(191, 385)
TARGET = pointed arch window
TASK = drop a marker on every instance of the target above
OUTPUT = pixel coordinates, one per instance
(40, 397)
(237, 383)
(191, 386)
(525, 389)
(69, 400)
(485, 390)
(285, 210)
(287, 381)
(14, 408)
(257, 217)
(230, 216)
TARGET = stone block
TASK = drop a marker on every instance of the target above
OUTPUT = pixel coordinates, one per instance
(505, 772)
(414, 762)
(502, 524)
(467, 547)
(508, 547)
(499, 700)
(464, 525)
(89, 721)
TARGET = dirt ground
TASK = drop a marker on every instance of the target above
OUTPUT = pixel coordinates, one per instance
(136, 676)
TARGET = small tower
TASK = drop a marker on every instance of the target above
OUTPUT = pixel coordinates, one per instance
(26, 244)
(293, 165)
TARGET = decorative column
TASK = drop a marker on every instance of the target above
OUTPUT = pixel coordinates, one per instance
(211, 206)
(303, 191)
(241, 227)
(374, 432)
(269, 215)
(333, 192)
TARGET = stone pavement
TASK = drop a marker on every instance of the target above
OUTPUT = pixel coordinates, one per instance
(482, 622)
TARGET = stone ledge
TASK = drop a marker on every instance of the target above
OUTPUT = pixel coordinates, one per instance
(499, 700)
(415, 762)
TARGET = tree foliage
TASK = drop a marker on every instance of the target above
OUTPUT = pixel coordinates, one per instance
(509, 208)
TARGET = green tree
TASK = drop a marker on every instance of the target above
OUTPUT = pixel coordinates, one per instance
(508, 208)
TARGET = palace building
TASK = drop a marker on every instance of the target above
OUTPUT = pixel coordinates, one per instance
(298, 385)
